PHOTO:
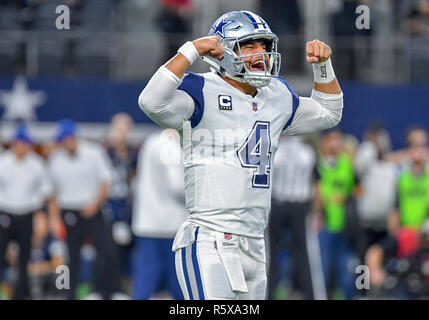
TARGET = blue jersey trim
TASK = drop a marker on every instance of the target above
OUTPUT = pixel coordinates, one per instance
(295, 102)
(193, 85)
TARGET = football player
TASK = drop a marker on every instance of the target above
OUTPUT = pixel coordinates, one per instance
(220, 249)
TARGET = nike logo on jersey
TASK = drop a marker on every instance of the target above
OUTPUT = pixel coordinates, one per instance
(225, 102)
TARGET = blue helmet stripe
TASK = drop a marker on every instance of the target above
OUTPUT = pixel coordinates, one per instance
(253, 18)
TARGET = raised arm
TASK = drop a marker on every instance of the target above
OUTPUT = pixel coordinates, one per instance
(191, 51)
(319, 55)
(160, 99)
(323, 110)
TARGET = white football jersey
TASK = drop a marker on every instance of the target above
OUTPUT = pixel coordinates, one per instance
(229, 146)
(229, 140)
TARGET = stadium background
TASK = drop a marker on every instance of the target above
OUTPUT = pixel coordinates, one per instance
(98, 68)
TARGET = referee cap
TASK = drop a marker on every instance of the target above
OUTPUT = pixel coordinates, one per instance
(66, 128)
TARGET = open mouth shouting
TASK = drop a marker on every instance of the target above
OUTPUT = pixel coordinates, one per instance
(258, 65)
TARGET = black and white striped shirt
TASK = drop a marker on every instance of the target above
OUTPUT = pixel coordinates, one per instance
(294, 167)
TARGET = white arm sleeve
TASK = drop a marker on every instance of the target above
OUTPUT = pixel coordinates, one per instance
(163, 103)
(321, 111)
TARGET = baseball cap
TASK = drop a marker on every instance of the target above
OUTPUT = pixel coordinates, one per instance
(22, 134)
(66, 128)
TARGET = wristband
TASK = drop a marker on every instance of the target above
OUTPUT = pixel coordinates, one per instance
(189, 51)
(323, 72)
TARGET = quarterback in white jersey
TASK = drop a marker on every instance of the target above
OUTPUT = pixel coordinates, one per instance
(231, 120)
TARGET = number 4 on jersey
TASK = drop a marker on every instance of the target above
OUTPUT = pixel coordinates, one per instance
(255, 154)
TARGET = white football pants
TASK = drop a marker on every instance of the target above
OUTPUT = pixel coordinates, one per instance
(214, 266)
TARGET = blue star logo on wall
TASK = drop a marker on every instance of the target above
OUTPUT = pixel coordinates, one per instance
(220, 26)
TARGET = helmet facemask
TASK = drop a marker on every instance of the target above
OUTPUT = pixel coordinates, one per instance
(233, 63)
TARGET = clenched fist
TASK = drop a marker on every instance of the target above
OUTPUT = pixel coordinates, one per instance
(209, 46)
(317, 51)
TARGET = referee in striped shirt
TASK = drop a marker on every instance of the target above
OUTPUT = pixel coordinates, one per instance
(289, 227)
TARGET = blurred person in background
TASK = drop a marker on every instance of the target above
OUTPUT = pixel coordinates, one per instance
(350, 144)
(289, 226)
(337, 187)
(46, 148)
(159, 210)
(81, 172)
(406, 220)
(47, 253)
(415, 135)
(398, 265)
(24, 189)
(378, 179)
(412, 192)
(417, 22)
(124, 160)
(174, 21)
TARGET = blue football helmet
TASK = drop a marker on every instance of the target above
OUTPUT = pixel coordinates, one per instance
(234, 28)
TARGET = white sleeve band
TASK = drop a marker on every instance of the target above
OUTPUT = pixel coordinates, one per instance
(323, 72)
(189, 51)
